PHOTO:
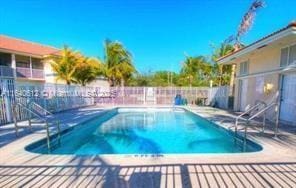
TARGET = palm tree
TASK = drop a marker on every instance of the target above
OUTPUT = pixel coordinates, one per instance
(118, 63)
(65, 65)
(87, 70)
(222, 72)
(196, 69)
(246, 23)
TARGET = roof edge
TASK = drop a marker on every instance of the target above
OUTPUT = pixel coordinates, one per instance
(290, 25)
(31, 42)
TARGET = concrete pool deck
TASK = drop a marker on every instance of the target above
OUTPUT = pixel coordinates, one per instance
(274, 166)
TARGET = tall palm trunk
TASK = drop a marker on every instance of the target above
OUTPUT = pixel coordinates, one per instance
(220, 67)
(231, 89)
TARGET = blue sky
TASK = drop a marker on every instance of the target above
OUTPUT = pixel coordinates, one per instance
(157, 32)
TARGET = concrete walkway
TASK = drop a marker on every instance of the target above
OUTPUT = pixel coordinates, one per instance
(275, 166)
(67, 119)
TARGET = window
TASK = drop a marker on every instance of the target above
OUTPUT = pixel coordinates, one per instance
(288, 56)
(284, 56)
(292, 55)
(244, 68)
(37, 64)
(22, 61)
(5, 59)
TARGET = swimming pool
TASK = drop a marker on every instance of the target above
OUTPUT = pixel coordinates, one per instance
(146, 131)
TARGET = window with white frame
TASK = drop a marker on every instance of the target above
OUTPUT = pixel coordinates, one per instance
(288, 56)
(244, 68)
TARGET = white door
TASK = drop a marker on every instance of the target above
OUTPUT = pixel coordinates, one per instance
(243, 94)
(288, 99)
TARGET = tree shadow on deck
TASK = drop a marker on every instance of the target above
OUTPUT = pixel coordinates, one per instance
(95, 172)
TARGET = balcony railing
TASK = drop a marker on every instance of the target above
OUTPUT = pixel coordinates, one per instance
(6, 71)
(29, 73)
(37, 73)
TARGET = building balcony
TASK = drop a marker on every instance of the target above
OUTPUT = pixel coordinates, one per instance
(6, 71)
(29, 73)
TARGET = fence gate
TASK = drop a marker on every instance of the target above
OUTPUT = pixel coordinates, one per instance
(150, 95)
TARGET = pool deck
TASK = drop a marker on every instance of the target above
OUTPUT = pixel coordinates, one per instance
(274, 166)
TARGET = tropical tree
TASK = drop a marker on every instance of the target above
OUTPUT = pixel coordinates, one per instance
(196, 70)
(65, 65)
(72, 67)
(221, 72)
(163, 78)
(118, 63)
(140, 80)
(87, 70)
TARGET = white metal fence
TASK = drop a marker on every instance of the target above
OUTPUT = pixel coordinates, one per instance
(217, 96)
(6, 99)
(52, 97)
(57, 98)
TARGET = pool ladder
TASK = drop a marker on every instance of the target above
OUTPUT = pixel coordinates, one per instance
(247, 121)
(35, 109)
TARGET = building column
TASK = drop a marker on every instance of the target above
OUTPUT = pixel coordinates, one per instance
(31, 71)
(13, 65)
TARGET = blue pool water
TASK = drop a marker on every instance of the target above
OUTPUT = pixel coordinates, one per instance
(146, 131)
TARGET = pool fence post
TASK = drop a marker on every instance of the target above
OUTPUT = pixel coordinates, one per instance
(15, 119)
(6, 99)
(245, 136)
(30, 123)
(59, 132)
(264, 122)
(48, 137)
(276, 130)
(144, 95)
(56, 97)
(122, 94)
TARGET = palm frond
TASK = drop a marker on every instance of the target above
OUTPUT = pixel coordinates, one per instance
(248, 19)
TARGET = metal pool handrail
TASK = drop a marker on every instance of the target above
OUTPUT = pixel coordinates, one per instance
(49, 113)
(35, 105)
(275, 102)
(43, 119)
(240, 117)
(256, 115)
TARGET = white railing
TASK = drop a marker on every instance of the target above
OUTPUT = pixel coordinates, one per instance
(6, 71)
(37, 73)
(29, 73)
(23, 72)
